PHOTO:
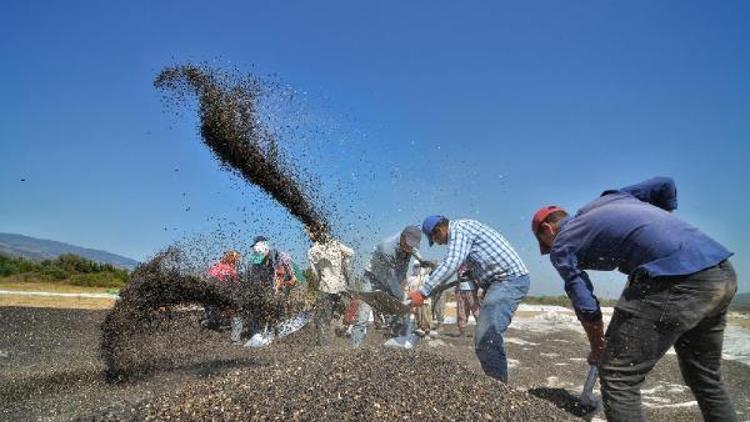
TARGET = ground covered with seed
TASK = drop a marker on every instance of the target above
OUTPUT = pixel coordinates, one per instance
(50, 369)
(57, 374)
(132, 342)
(339, 384)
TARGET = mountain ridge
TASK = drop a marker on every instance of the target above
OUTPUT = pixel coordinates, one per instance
(37, 249)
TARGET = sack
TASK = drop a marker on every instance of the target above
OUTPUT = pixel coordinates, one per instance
(292, 325)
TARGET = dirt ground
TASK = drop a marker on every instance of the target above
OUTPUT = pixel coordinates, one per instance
(50, 370)
(29, 286)
(55, 302)
(14, 294)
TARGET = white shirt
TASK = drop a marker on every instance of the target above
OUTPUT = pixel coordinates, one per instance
(330, 263)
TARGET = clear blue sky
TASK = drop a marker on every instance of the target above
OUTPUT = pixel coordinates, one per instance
(478, 109)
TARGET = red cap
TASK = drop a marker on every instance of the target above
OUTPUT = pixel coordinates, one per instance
(537, 221)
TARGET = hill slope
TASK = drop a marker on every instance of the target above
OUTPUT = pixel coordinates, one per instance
(39, 249)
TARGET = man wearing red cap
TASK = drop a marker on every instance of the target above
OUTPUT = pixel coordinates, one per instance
(680, 284)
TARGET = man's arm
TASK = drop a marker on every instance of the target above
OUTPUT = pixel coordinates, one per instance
(658, 191)
(578, 286)
(346, 255)
(581, 293)
(458, 249)
(346, 250)
(417, 255)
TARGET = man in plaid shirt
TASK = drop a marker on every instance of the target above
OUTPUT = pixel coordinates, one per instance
(500, 273)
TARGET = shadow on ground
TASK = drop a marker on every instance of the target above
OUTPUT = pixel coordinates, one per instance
(564, 400)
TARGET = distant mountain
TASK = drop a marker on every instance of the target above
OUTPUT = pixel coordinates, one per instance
(40, 249)
(741, 301)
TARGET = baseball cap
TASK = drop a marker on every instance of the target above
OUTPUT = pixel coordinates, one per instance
(429, 224)
(537, 221)
(259, 238)
(412, 236)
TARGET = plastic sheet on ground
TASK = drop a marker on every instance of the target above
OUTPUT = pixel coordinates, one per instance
(283, 329)
(293, 324)
(403, 342)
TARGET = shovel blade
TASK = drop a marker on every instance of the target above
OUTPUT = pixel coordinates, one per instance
(588, 398)
(382, 301)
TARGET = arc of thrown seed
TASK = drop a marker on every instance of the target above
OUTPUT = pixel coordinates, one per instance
(231, 128)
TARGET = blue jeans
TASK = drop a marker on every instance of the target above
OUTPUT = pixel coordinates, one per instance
(328, 305)
(500, 302)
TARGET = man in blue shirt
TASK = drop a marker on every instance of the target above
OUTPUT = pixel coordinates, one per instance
(497, 268)
(680, 284)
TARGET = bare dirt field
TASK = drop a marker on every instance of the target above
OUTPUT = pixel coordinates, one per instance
(52, 295)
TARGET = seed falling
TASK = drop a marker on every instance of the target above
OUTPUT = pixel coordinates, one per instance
(231, 127)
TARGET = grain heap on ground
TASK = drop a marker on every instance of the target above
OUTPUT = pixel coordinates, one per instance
(133, 336)
(346, 385)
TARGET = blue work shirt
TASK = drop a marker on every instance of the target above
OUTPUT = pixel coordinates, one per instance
(633, 230)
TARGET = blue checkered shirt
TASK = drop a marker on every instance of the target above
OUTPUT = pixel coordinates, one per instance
(489, 256)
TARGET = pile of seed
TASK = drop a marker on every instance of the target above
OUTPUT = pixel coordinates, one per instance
(134, 340)
(344, 384)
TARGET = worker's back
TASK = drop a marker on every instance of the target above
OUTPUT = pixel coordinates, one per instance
(618, 231)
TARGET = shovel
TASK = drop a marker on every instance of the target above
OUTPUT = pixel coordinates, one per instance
(588, 398)
(381, 301)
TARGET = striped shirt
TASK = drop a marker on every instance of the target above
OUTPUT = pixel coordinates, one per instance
(489, 256)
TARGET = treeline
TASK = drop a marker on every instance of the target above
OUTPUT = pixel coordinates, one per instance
(66, 268)
(561, 301)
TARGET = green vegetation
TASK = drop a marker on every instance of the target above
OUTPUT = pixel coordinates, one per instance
(65, 269)
(561, 301)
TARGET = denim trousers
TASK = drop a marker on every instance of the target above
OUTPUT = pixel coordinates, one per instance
(498, 306)
(654, 314)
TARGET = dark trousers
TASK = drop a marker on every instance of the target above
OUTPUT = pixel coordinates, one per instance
(213, 317)
(328, 305)
(687, 312)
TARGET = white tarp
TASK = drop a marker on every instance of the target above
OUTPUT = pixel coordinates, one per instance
(282, 330)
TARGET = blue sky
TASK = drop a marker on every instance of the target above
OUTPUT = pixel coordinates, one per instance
(469, 109)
